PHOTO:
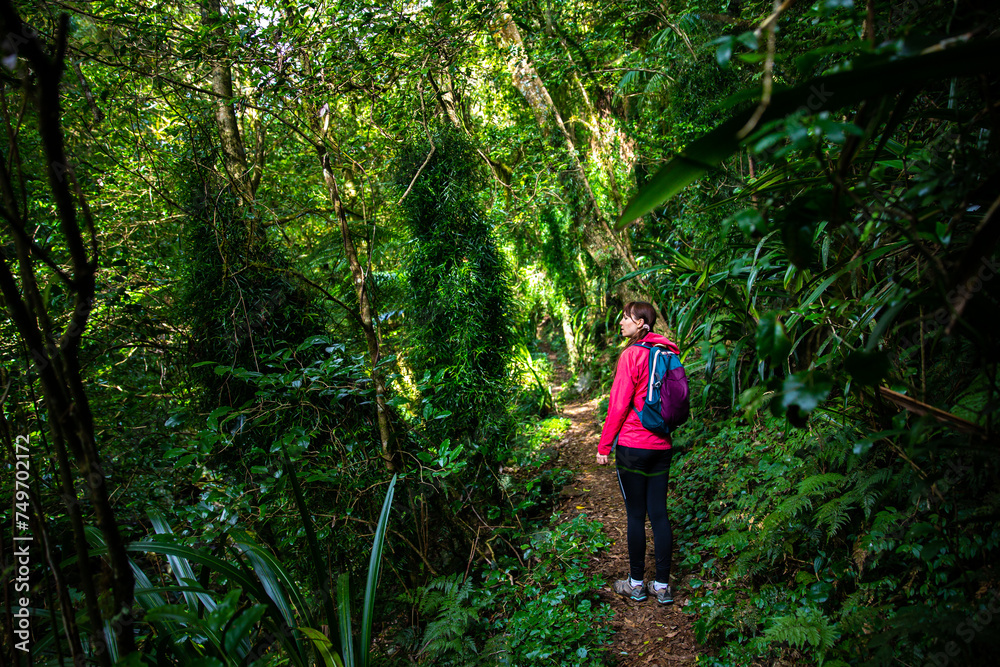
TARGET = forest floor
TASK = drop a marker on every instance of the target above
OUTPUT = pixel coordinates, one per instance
(646, 633)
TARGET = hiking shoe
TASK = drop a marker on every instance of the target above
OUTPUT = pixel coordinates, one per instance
(625, 588)
(664, 595)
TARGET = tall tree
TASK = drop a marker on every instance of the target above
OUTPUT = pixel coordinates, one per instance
(460, 324)
(609, 249)
(52, 329)
(243, 179)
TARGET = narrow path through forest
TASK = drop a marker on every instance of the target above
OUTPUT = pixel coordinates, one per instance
(646, 633)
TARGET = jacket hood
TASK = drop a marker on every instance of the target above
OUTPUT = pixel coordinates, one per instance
(657, 339)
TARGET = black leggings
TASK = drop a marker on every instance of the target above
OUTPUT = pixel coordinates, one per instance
(643, 476)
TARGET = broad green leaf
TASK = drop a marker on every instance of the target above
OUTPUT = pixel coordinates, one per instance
(772, 340)
(374, 568)
(724, 50)
(752, 399)
(323, 646)
(241, 627)
(278, 584)
(344, 619)
(217, 565)
(805, 390)
(182, 569)
(825, 93)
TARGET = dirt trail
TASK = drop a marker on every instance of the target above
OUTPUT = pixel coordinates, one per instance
(646, 634)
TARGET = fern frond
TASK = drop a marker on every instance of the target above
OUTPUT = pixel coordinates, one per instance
(665, 37)
(749, 563)
(877, 477)
(449, 600)
(630, 82)
(834, 514)
(820, 484)
(790, 630)
(737, 540)
(656, 82)
(807, 626)
(828, 634)
(813, 536)
(786, 511)
(871, 487)
(496, 651)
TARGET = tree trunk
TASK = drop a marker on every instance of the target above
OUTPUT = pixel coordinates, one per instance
(234, 155)
(599, 145)
(609, 250)
(56, 359)
(367, 312)
(566, 316)
(606, 247)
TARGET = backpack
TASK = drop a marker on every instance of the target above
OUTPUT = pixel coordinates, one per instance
(667, 404)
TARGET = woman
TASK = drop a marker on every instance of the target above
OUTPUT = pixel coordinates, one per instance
(642, 457)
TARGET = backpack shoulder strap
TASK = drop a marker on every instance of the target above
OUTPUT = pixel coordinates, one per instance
(652, 346)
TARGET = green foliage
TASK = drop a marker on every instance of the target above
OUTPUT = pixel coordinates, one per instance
(546, 431)
(808, 627)
(833, 550)
(540, 609)
(530, 479)
(454, 611)
(552, 617)
(852, 87)
(235, 297)
(308, 413)
(459, 326)
(244, 604)
(814, 298)
(842, 245)
(538, 397)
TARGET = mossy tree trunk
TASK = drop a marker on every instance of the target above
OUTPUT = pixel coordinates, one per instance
(460, 328)
(609, 250)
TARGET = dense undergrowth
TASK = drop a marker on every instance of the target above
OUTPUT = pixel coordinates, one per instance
(535, 604)
(831, 546)
(266, 321)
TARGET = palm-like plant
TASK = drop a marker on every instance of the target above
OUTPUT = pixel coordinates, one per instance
(212, 628)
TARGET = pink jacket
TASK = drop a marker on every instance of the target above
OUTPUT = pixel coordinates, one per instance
(628, 391)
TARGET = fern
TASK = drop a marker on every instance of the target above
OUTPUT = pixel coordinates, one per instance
(814, 536)
(664, 38)
(878, 477)
(630, 82)
(808, 627)
(871, 487)
(749, 563)
(820, 484)
(656, 82)
(446, 638)
(884, 533)
(736, 540)
(786, 511)
(834, 514)
(496, 651)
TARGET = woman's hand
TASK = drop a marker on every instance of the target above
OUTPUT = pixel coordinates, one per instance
(602, 459)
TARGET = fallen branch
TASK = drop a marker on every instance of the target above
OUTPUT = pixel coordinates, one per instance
(921, 408)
